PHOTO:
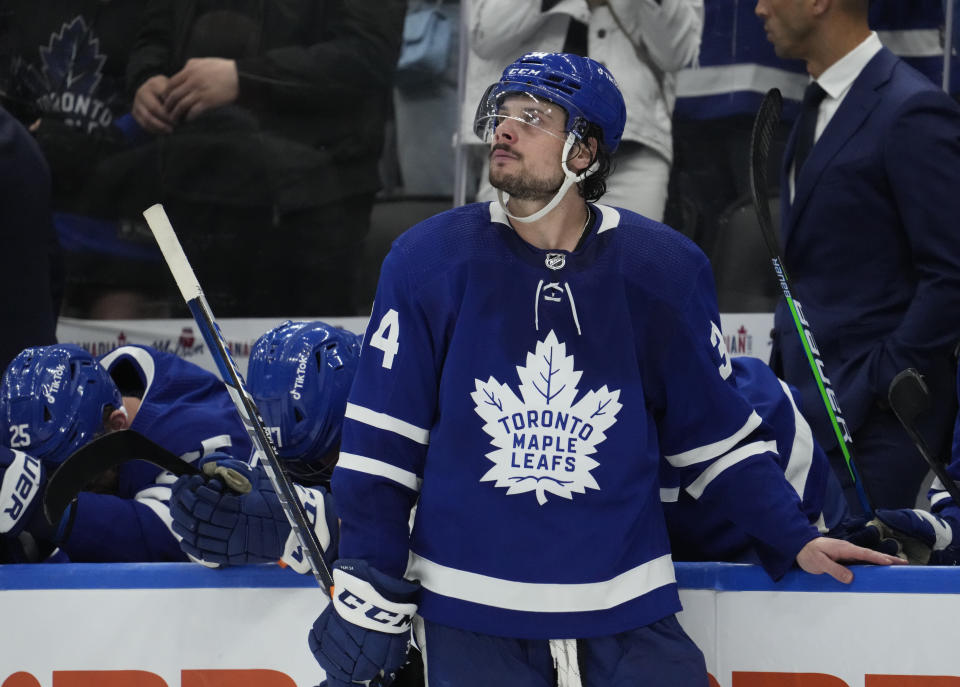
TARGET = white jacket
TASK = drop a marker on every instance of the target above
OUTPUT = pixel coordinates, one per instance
(660, 39)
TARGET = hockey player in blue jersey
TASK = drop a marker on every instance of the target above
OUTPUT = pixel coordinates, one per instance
(317, 363)
(299, 375)
(55, 399)
(530, 368)
(699, 533)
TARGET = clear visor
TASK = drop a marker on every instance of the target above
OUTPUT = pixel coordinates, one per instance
(526, 108)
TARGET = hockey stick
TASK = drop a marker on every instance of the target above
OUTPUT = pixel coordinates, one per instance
(909, 398)
(264, 450)
(99, 455)
(768, 116)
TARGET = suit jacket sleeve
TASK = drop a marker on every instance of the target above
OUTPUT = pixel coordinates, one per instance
(922, 156)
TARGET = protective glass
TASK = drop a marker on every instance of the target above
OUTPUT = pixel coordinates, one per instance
(526, 108)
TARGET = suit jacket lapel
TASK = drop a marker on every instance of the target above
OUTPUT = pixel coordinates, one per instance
(859, 102)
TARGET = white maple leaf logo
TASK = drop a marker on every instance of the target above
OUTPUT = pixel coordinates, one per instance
(543, 440)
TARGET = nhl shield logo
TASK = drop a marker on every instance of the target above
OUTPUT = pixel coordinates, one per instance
(555, 261)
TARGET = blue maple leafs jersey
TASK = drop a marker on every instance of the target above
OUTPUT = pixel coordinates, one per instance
(185, 409)
(699, 533)
(526, 401)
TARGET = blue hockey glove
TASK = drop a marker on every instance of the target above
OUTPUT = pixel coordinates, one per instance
(22, 479)
(914, 535)
(920, 534)
(363, 635)
(235, 517)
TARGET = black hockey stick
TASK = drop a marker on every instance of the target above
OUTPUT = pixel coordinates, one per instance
(110, 451)
(768, 116)
(100, 455)
(264, 450)
(909, 398)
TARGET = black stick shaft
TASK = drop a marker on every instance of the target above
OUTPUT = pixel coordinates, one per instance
(908, 397)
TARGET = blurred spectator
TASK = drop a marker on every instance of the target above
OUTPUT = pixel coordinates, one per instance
(31, 271)
(642, 43)
(914, 30)
(62, 74)
(426, 114)
(868, 234)
(269, 119)
(716, 103)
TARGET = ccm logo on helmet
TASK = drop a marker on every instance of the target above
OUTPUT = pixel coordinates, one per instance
(523, 71)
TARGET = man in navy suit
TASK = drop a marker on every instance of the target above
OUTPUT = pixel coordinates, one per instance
(870, 237)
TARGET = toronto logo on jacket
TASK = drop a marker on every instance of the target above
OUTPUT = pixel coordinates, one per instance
(69, 79)
(544, 438)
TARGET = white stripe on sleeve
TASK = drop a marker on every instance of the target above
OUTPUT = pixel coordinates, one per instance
(711, 473)
(155, 499)
(801, 453)
(938, 497)
(710, 451)
(388, 423)
(155, 492)
(941, 530)
(371, 466)
(728, 78)
(912, 42)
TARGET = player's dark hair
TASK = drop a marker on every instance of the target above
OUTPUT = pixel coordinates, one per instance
(595, 185)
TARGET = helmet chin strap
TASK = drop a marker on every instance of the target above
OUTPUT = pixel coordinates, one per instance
(570, 178)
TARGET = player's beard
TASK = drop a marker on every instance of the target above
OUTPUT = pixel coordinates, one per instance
(523, 186)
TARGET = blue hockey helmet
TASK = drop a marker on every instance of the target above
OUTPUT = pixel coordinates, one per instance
(53, 400)
(299, 375)
(583, 87)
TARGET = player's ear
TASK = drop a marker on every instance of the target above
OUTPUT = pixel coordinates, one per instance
(583, 154)
(117, 420)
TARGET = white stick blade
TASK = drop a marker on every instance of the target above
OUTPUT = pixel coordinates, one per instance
(172, 251)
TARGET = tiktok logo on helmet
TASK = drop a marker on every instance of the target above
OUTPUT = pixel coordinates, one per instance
(49, 391)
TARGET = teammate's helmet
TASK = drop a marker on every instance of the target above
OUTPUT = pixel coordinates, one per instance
(299, 375)
(583, 87)
(53, 401)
